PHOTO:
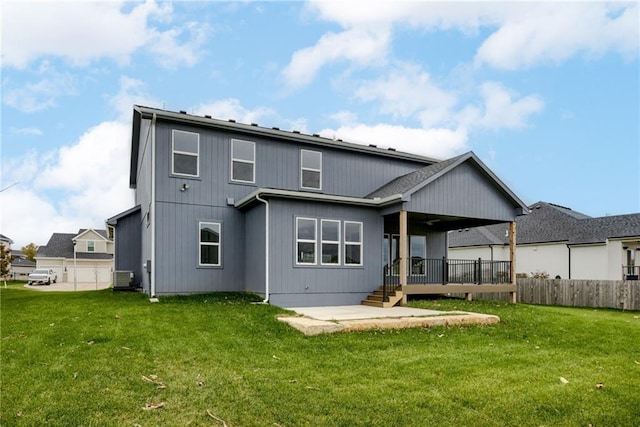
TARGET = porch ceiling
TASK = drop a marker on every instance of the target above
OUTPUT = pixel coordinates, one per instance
(442, 222)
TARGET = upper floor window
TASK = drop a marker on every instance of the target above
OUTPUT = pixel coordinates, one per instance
(352, 243)
(185, 149)
(243, 159)
(91, 246)
(209, 242)
(311, 169)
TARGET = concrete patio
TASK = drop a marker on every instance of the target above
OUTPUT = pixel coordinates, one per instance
(323, 320)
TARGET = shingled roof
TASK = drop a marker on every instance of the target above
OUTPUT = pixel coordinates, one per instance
(60, 245)
(548, 223)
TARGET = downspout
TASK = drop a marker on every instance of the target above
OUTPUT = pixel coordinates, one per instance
(152, 209)
(569, 249)
(266, 249)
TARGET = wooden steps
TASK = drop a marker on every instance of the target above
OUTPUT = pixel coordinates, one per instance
(376, 300)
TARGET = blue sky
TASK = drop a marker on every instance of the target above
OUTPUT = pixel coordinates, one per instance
(546, 94)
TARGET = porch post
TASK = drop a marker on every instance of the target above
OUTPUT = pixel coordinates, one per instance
(403, 253)
(512, 258)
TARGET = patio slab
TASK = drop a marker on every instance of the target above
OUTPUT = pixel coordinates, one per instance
(323, 320)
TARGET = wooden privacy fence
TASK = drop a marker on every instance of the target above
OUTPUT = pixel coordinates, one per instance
(618, 294)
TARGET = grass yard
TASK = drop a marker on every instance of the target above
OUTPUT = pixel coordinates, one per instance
(98, 358)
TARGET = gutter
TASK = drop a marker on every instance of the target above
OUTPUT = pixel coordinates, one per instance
(288, 194)
(266, 249)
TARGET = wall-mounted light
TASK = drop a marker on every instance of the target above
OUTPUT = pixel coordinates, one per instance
(184, 187)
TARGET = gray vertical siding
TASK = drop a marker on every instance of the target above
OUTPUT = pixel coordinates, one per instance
(463, 192)
(143, 198)
(254, 250)
(128, 250)
(293, 285)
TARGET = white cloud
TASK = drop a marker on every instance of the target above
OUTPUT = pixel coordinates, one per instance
(231, 108)
(132, 92)
(408, 91)
(554, 32)
(40, 95)
(82, 32)
(361, 47)
(435, 143)
(26, 131)
(89, 180)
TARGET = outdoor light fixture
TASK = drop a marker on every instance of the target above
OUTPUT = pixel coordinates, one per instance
(184, 187)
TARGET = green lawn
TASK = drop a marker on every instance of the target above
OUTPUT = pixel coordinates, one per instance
(97, 358)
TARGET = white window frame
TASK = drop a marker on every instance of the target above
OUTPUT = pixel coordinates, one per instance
(314, 241)
(91, 246)
(302, 169)
(201, 243)
(336, 242)
(354, 243)
(251, 162)
(184, 153)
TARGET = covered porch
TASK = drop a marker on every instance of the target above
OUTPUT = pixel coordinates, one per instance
(455, 194)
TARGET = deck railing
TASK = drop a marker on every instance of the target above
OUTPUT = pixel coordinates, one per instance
(444, 271)
(630, 272)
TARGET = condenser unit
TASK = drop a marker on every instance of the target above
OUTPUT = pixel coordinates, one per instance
(122, 279)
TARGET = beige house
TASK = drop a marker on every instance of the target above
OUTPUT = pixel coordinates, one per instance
(86, 256)
(560, 242)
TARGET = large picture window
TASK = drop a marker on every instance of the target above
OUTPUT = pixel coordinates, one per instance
(185, 150)
(311, 169)
(210, 244)
(243, 159)
(330, 236)
(352, 243)
(305, 241)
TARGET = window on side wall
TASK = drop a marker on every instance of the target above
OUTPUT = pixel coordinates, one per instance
(185, 151)
(305, 241)
(310, 170)
(330, 236)
(243, 159)
(210, 244)
(352, 243)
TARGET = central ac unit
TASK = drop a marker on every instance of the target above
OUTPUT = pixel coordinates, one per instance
(122, 278)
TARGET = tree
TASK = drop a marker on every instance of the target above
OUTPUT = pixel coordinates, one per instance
(5, 262)
(29, 251)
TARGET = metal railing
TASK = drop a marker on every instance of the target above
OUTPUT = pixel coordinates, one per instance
(390, 279)
(443, 270)
(630, 272)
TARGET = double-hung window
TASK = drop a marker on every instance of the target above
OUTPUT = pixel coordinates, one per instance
(185, 150)
(305, 241)
(310, 170)
(352, 243)
(243, 161)
(210, 244)
(91, 246)
(330, 236)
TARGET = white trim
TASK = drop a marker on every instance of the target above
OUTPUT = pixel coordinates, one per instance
(218, 244)
(88, 230)
(347, 200)
(302, 169)
(251, 162)
(354, 243)
(185, 153)
(332, 242)
(314, 241)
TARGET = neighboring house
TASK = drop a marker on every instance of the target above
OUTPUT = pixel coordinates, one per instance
(561, 242)
(299, 219)
(4, 240)
(86, 256)
(20, 265)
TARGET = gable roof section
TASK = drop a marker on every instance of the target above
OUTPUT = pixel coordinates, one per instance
(60, 245)
(114, 219)
(83, 231)
(550, 223)
(412, 182)
(4, 238)
(141, 112)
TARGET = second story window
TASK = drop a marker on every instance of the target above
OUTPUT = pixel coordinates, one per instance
(243, 161)
(310, 170)
(91, 246)
(185, 150)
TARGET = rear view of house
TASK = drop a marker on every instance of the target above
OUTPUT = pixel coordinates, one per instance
(299, 219)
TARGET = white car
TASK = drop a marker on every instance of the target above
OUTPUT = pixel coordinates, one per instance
(42, 276)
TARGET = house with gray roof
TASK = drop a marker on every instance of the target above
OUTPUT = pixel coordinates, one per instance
(85, 256)
(561, 242)
(299, 219)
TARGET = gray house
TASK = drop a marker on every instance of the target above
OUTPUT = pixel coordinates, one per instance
(300, 219)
